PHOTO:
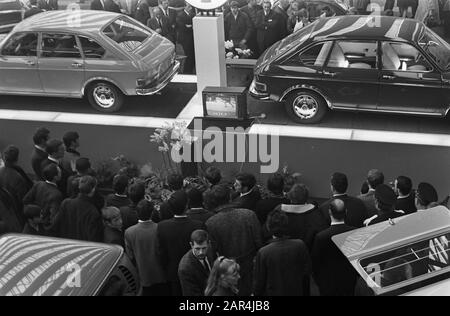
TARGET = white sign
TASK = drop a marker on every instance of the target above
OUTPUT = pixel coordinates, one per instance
(206, 4)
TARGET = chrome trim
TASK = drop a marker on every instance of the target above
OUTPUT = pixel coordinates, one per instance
(448, 110)
(10, 11)
(386, 111)
(162, 84)
(101, 79)
(307, 87)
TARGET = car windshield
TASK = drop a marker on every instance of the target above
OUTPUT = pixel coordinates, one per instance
(437, 48)
(294, 39)
(128, 34)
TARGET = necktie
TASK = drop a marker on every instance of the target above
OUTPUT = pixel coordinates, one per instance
(206, 265)
(160, 23)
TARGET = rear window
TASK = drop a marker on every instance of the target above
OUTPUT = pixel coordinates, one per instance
(128, 34)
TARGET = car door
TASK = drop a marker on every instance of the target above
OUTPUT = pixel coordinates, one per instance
(61, 66)
(19, 65)
(351, 75)
(409, 82)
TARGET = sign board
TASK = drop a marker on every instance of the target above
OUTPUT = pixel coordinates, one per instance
(206, 4)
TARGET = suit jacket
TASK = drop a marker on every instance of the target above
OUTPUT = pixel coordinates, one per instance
(129, 216)
(128, 6)
(185, 28)
(65, 174)
(267, 29)
(97, 5)
(113, 236)
(406, 204)
(252, 12)
(333, 273)
(356, 210)
(141, 245)
(248, 201)
(174, 236)
(282, 21)
(171, 15)
(369, 201)
(193, 274)
(237, 29)
(265, 206)
(32, 11)
(117, 201)
(47, 196)
(142, 13)
(9, 220)
(37, 158)
(48, 5)
(165, 27)
(199, 214)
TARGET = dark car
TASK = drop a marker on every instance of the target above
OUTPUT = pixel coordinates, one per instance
(357, 63)
(11, 13)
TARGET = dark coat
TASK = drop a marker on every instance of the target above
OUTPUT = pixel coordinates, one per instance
(142, 12)
(193, 275)
(406, 204)
(369, 201)
(51, 5)
(113, 236)
(129, 216)
(185, 28)
(281, 268)
(282, 21)
(356, 210)
(333, 273)
(199, 214)
(65, 174)
(117, 201)
(248, 201)
(47, 196)
(37, 157)
(32, 11)
(174, 236)
(252, 12)
(238, 29)
(165, 27)
(264, 207)
(9, 221)
(171, 16)
(267, 30)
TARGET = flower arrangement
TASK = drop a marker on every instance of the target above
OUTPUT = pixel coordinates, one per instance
(232, 52)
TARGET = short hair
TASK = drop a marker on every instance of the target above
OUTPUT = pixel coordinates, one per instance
(53, 146)
(364, 187)
(50, 172)
(404, 185)
(41, 136)
(86, 184)
(219, 195)
(213, 175)
(302, 12)
(82, 165)
(70, 137)
(31, 211)
(120, 183)
(278, 223)
(339, 182)
(145, 210)
(246, 179)
(175, 181)
(275, 184)
(136, 191)
(266, 1)
(199, 236)
(178, 202)
(338, 209)
(109, 212)
(374, 178)
(11, 154)
(299, 193)
(195, 198)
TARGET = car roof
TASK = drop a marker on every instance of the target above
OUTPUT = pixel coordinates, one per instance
(367, 27)
(46, 266)
(83, 21)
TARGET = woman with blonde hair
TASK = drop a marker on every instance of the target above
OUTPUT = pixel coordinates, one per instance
(223, 279)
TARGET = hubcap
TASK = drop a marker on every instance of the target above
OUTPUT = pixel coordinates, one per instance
(104, 96)
(305, 106)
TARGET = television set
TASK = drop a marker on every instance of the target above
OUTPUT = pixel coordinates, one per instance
(225, 103)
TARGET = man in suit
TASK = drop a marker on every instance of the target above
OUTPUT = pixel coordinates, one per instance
(48, 5)
(128, 7)
(9, 222)
(385, 199)
(174, 235)
(356, 210)
(333, 273)
(196, 264)
(196, 210)
(252, 9)
(186, 37)
(136, 193)
(281, 10)
(247, 194)
(275, 185)
(161, 24)
(171, 16)
(238, 27)
(32, 10)
(142, 12)
(71, 142)
(267, 27)
(119, 198)
(405, 195)
(55, 151)
(40, 138)
(374, 178)
(141, 246)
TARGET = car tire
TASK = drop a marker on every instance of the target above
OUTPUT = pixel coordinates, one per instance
(305, 107)
(105, 97)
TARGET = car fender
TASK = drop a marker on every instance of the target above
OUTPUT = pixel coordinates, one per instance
(306, 87)
(102, 79)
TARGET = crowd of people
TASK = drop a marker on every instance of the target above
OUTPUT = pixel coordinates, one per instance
(208, 237)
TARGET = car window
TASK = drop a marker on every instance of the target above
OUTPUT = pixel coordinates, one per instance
(91, 49)
(23, 44)
(354, 54)
(403, 57)
(59, 46)
(313, 56)
(129, 35)
(436, 47)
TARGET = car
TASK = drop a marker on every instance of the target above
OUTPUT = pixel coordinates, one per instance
(11, 13)
(100, 55)
(46, 266)
(357, 63)
(406, 256)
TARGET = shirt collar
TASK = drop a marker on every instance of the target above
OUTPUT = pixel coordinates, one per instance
(337, 223)
(51, 183)
(339, 194)
(40, 148)
(149, 221)
(53, 159)
(120, 195)
(180, 216)
(247, 193)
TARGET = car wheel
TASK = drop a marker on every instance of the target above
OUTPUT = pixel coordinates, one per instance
(105, 97)
(305, 107)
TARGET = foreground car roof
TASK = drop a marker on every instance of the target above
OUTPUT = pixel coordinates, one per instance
(368, 27)
(35, 265)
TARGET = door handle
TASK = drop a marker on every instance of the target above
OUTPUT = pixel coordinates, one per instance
(31, 63)
(388, 77)
(77, 65)
(331, 74)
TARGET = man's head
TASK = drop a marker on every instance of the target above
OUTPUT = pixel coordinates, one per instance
(55, 148)
(234, 6)
(200, 243)
(294, 6)
(187, 6)
(385, 198)
(403, 185)
(213, 176)
(32, 213)
(175, 181)
(112, 217)
(284, 4)
(326, 11)
(83, 165)
(195, 198)
(51, 173)
(251, 3)
(145, 210)
(164, 4)
(245, 182)
(41, 136)
(267, 5)
(217, 196)
(339, 183)
(11, 155)
(374, 178)
(71, 140)
(33, 2)
(298, 194)
(87, 185)
(178, 203)
(426, 196)
(337, 210)
(136, 192)
(275, 184)
(157, 12)
(277, 223)
(120, 184)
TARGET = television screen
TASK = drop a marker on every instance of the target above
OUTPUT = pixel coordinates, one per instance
(221, 105)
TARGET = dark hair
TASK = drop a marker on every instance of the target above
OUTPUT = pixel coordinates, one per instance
(50, 172)
(199, 236)
(247, 180)
(178, 202)
(299, 193)
(364, 187)
(384, 207)
(82, 165)
(145, 210)
(213, 175)
(86, 184)
(53, 146)
(70, 137)
(339, 182)
(404, 185)
(33, 2)
(338, 209)
(175, 181)
(275, 184)
(41, 136)
(120, 183)
(136, 191)
(11, 154)
(374, 178)
(278, 223)
(31, 211)
(195, 198)
(217, 196)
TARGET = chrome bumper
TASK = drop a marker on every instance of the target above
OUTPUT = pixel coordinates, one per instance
(165, 81)
(256, 94)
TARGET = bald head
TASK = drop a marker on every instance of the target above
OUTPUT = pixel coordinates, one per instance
(337, 210)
